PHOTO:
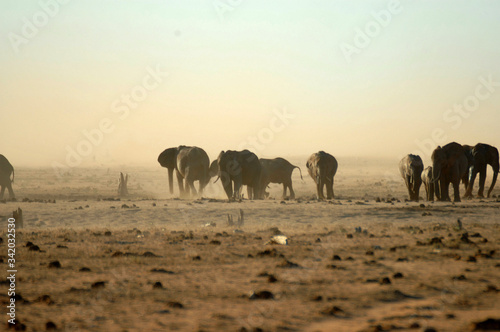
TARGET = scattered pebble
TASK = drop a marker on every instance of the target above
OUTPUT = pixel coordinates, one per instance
(50, 326)
(55, 264)
(157, 285)
(98, 284)
(173, 304)
(287, 264)
(261, 295)
(490, 324)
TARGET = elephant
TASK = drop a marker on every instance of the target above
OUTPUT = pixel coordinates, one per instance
(190, 163)
(411, 168)
(428, 183)
(239, 168)
(482, 155)
(322, 168)
(277, 170)
(6, 170)
(449, 165)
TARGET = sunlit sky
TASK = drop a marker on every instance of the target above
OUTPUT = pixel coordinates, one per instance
(233, 65)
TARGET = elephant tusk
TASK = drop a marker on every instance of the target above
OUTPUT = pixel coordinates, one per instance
(218, 177)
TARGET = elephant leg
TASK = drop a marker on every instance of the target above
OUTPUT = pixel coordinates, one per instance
(416, 191)
(456, 191)
(319, 189)
(192, 188)
(292, 193)
(444, 188)
(180, 182)
(482, 180)
(11, 192)
(2, 192)
(329, 189)
(470, 185)
(228, 188)
(465, 181)
(237, 189)
(284, 191)
(408, 186)
(203, 184)
(250, 193)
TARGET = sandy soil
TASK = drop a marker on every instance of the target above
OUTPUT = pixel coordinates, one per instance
(152, 262)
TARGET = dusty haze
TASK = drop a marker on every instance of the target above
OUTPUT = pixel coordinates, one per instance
(150, 75)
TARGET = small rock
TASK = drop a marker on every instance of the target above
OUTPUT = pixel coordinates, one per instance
(271, 278)
(490, 324)
(84, 269)
(460, 277)
(161, 271)
(332, 311)
(34, 248)
(157, 285)
(336, 258)
(98, 284)
(262, 295)
(397, 275)
(55, 264)
(49, 326)
(385, 281)
(45, 299)
(287, 264)
(173, 304)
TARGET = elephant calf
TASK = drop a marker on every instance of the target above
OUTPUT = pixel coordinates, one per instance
(277, 170)
(428, 183)
(6, 170)
(322, 168)
(411, 168)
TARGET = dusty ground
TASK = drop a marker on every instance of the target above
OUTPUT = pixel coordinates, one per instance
(352, 264)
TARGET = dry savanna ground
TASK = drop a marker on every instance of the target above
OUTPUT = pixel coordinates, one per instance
(366, 261)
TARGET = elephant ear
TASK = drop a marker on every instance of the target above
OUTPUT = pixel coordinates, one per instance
(167, 158)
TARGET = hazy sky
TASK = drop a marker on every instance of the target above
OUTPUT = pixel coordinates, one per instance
(352, 78)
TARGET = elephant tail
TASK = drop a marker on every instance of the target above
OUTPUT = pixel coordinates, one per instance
(299, 171)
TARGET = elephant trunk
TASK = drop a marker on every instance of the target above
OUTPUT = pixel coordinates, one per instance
(494, 181)
(171, 180)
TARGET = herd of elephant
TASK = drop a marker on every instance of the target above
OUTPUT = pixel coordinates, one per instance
(451, 163)
(238, 168)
